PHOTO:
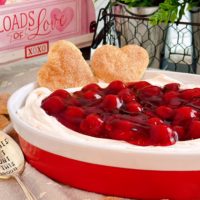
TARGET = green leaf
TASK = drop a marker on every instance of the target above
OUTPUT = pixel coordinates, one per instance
(169, 10)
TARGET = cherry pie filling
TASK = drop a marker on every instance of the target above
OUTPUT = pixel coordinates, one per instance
(136, 112)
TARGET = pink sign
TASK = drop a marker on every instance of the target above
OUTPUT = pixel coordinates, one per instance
(37, 22)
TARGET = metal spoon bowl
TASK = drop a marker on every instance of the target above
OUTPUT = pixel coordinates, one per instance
(12, 162)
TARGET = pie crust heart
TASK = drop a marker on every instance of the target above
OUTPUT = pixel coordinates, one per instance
(3, 121)
(65, 68)
(127, 64)
(3, 103)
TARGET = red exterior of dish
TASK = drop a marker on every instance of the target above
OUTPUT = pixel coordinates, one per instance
(139, 184)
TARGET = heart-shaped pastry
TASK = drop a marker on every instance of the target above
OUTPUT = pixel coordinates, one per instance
(127, 63)
(65, 68)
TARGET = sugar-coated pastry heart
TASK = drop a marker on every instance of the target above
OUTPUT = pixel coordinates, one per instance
(3, 103)
(127, 63)
(65, 68)
(3, 121)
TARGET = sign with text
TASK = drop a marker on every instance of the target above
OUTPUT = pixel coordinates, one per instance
(36, 49)
(33, 24)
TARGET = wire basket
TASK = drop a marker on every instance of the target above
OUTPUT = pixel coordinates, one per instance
(174, 47)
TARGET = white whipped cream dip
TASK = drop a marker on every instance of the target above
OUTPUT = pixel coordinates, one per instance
(35, 116)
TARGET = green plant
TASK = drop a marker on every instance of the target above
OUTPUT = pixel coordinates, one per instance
(139, 3)
(169, 10)
(172, 10)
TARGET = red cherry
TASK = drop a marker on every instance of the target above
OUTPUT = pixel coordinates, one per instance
(92, 125)
(150, 92)
(141, 139)
(114, 87)
(74, 111)
(172, 99)
(111, 102)
(174, 103)
(154, 121)
(113, 123)
(119, 129)
(72, 117)
(184, 115)
(171, 87)
(122, 135)
(53, 104)
(91, 95)
(180, 131)
(126, 95)
(190, 94)
(61, 93)
(91, 87)
(150, 113)
(78, 94)
(194, 129)
(162, 135)
(72, 101)
(196, 102)
(170, 95)
(165, 112)
(133, 107)
(138, 85)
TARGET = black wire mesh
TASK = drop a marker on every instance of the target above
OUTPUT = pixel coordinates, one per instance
(174, 47)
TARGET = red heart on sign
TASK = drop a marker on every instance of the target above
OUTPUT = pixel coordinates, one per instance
(61, 19)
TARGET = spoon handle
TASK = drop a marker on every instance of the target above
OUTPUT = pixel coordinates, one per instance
(29, 195)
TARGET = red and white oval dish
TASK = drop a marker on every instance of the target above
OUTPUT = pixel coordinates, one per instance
(110, 168)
